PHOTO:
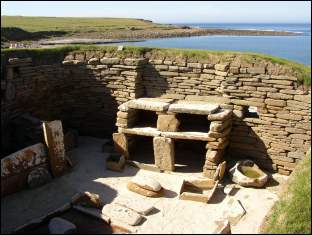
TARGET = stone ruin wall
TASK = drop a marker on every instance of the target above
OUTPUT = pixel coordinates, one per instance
(86, 88)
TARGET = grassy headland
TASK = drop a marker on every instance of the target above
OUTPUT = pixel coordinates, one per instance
(20, 28)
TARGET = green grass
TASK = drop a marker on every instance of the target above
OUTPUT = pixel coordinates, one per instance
(74, 24)
(292, 214)
(302, 72)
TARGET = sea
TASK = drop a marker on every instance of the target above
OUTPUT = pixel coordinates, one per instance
(295, 48)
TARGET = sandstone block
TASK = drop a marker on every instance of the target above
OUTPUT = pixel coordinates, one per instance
(221, 67)
(213, 134)
(299, 136)
(289, 116)
(219, 126)
(121, 144)
(256, 70)
(214, 156)
(164, 153)
(106, 60)
(54, 138)
(217, 145)
(303, 98)
(167, 122)
(222, 74)
(195, 65)
(279, 103)
(193, 107)
(220, 116)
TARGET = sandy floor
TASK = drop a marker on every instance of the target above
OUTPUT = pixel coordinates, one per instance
(171, 215)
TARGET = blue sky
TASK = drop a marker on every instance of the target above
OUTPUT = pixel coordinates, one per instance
(170, 11)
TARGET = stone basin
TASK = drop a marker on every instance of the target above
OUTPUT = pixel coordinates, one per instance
(247, 174)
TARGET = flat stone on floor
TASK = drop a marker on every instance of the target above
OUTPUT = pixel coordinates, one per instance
(122, 214)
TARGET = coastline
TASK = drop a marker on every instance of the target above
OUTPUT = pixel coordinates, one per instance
(120, 36)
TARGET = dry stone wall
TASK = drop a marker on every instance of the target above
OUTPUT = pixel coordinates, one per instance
(85, 88)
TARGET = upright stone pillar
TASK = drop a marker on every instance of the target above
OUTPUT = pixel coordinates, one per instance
(54, 138)
(164, 153)
(121, 144)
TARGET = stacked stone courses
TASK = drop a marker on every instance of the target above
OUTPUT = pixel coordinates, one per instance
(86, 88)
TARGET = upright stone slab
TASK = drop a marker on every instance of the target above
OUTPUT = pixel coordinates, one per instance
(167, 122)
(54, 138)
(121, 144)
(164, 153)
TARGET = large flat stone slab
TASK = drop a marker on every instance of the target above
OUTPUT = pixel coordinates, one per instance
(151, 104)
(188, 135)
(122, 214)
(193, 107)
(145, 131)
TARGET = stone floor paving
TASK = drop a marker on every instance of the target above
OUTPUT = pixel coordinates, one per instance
(170, 215)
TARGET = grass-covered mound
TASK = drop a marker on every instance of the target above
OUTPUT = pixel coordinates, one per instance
(292, 214)
(74, 24)
(302, 72)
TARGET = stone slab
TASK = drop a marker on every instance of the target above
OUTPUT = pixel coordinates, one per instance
(136, 205)
(167, 122)
(164, 153)
(54, 138)
(188, 135)
(145, 131)
(23, 159)
(193, 107)
(122, 214)
(152, 104)
(121, 143)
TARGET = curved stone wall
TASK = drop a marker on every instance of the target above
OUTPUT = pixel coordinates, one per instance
(272, 113)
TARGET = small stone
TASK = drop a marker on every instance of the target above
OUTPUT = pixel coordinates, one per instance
(146, 183)
(228, 189)
(142, 191)
(38, 177)
(220, 116)
(87, 199)
(59, 225)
